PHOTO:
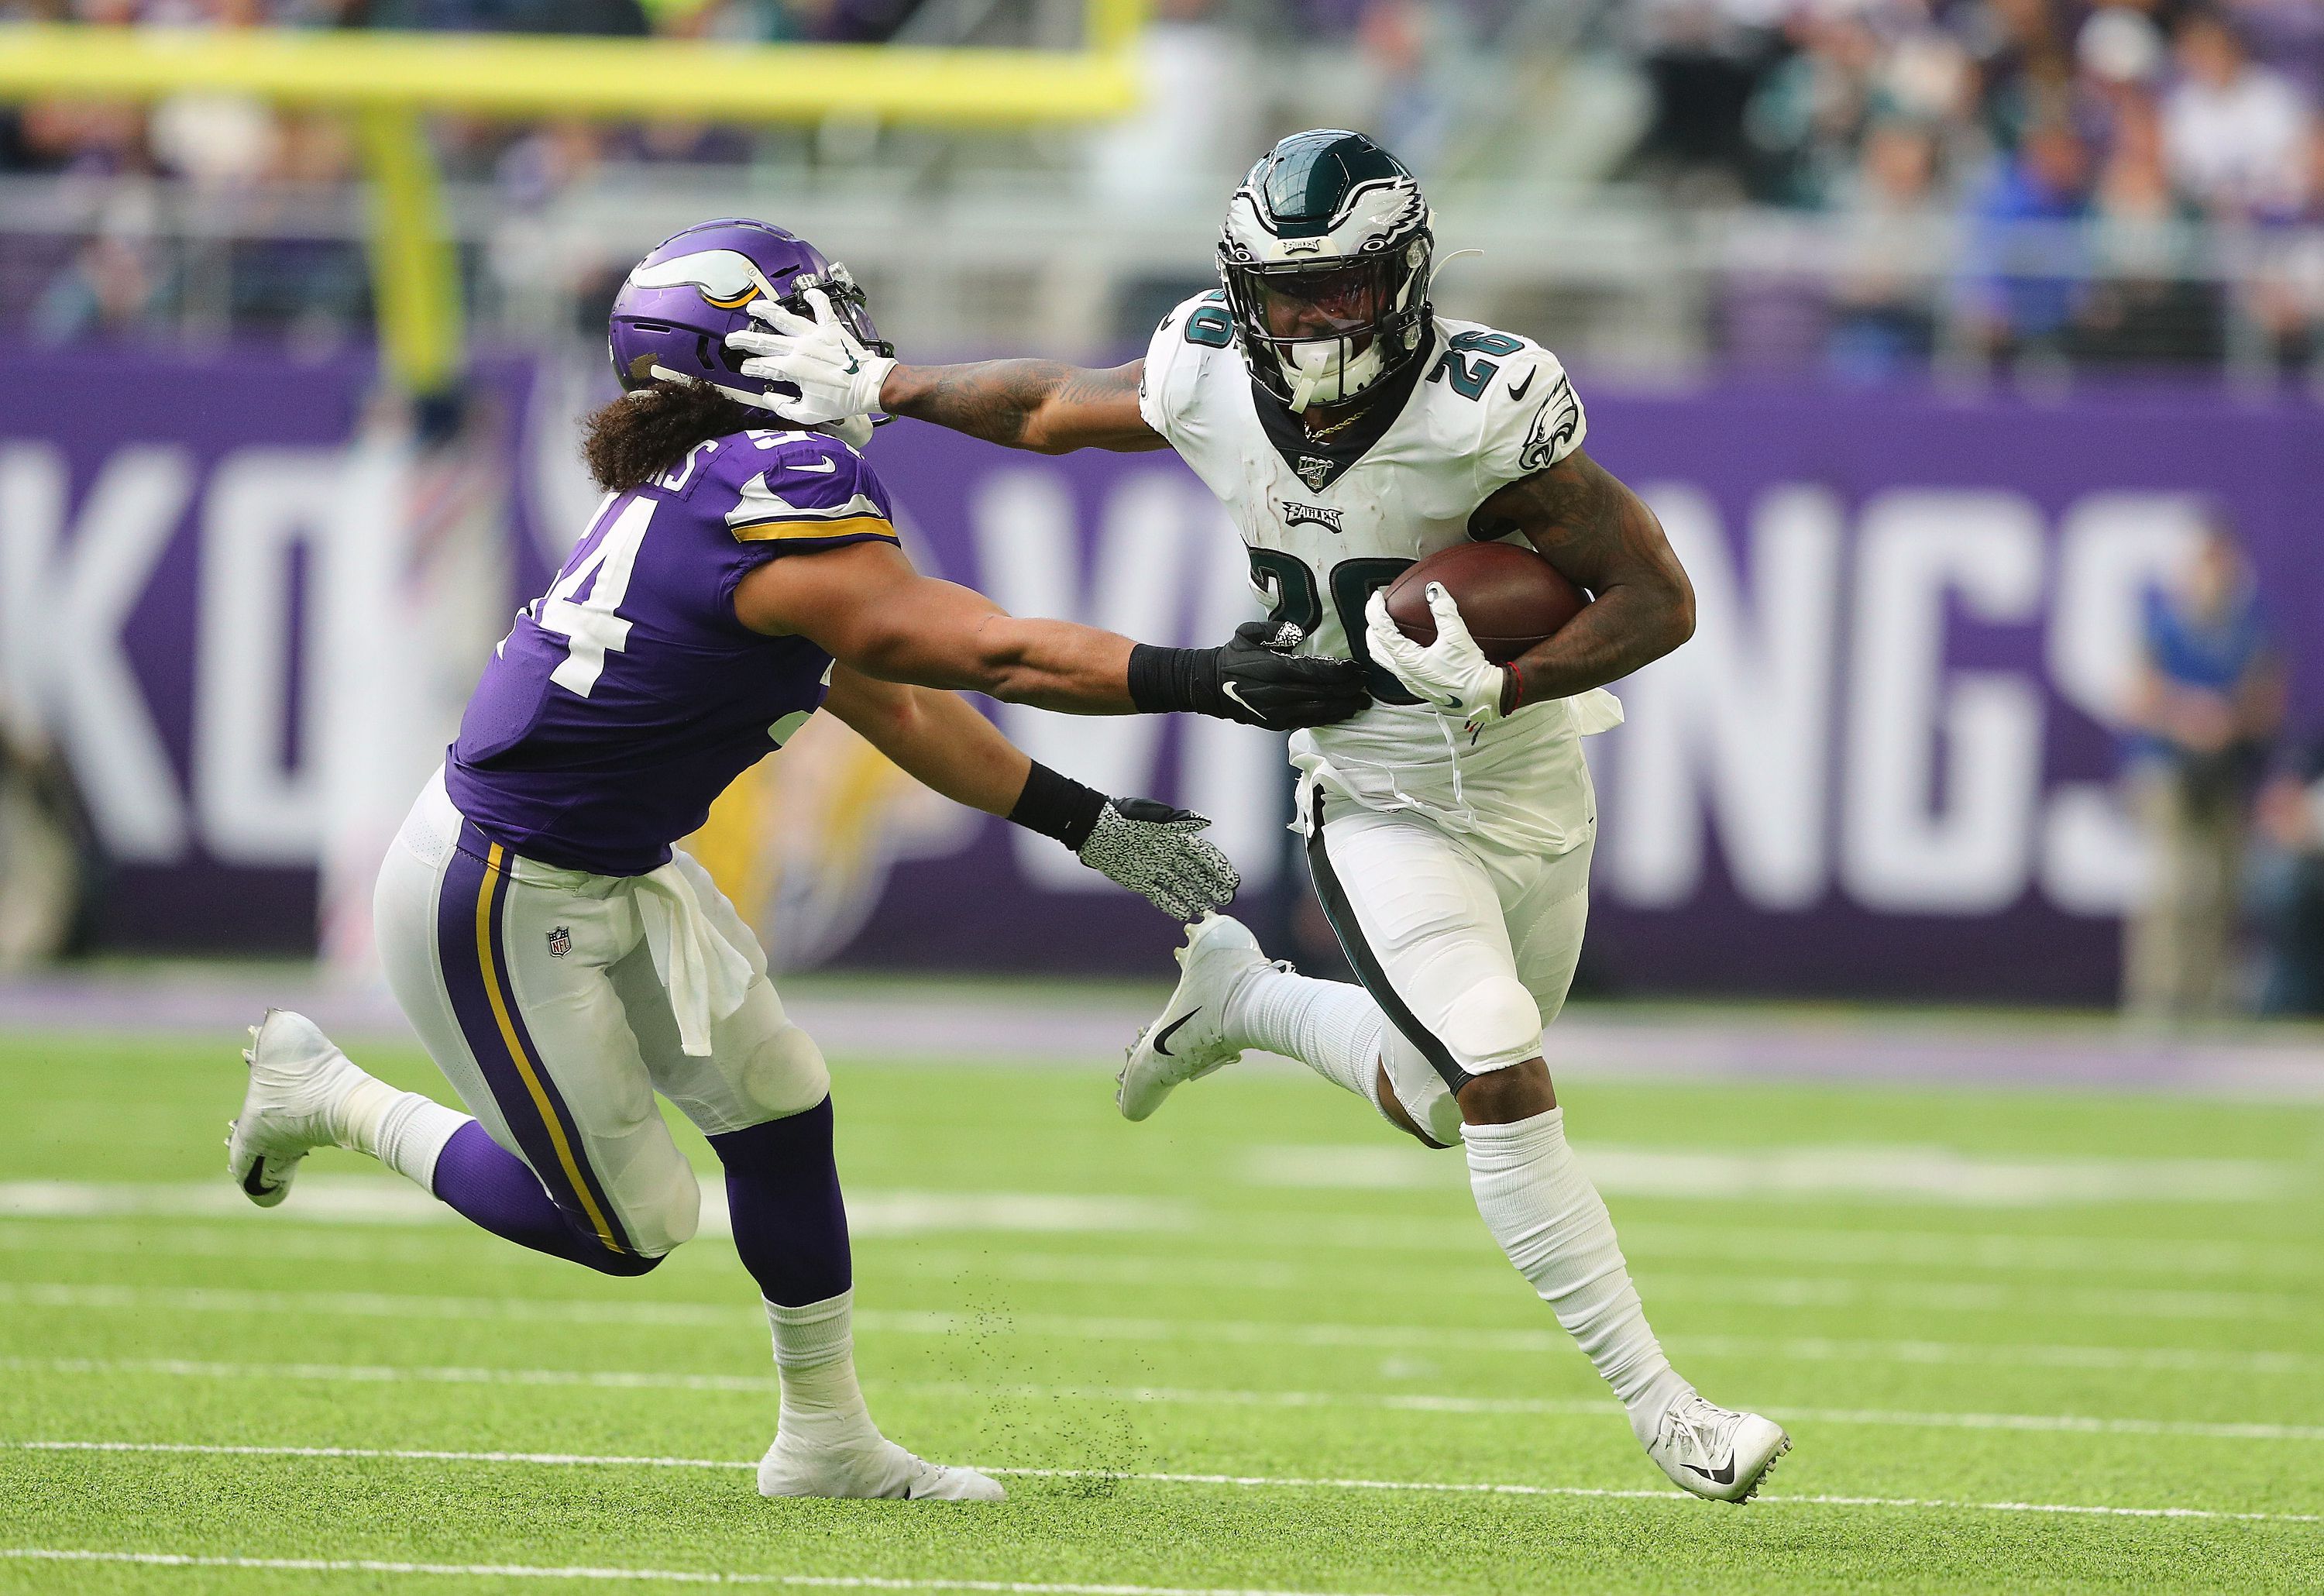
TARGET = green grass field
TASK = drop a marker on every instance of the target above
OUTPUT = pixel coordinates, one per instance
(1995, 1381)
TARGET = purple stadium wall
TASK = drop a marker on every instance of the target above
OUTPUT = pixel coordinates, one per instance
(1882, 766)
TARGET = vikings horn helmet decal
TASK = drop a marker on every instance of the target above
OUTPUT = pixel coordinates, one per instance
(1326, 257)
(672, 315)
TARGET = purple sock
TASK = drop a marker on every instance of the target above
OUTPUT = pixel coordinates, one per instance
(790, 1224)
(489, 1186)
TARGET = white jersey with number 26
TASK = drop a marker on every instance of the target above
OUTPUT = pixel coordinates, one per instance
(1327, 521)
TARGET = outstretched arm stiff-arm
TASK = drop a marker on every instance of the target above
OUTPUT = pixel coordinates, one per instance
(1027, 404)
(864, 604)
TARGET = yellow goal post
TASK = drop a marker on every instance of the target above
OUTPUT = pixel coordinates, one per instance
(388, 81)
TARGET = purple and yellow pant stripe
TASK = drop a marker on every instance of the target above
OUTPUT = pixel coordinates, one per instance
(471, 912)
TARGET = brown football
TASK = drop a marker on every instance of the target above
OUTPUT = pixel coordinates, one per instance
(1511, 596)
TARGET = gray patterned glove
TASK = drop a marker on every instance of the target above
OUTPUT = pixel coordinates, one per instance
(1156, 852)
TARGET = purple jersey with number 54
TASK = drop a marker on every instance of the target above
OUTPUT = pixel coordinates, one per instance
(628, 696)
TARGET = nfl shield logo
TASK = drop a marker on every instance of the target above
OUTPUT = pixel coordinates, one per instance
(561, 942)
(1313, 471)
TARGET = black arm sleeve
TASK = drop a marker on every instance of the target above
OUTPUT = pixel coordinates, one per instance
(1057, 805)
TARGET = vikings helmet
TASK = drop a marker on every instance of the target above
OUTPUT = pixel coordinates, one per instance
(672, 315)
(1325, 258)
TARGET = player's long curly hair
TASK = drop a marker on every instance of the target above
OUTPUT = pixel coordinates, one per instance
(648, 430)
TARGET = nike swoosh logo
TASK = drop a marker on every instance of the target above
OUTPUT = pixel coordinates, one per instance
(1517, 390)
(819, 469)
(1235, 693)
(1162, 1041)
(1725, 1476)
(255, 1181)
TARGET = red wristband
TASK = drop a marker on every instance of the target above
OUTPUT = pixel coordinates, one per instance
(1513, 689)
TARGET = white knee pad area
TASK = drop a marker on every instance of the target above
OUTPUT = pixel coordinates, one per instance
(660, 1203)
(1493, 1024)
(784, 1076)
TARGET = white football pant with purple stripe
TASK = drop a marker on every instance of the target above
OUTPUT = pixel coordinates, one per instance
(535, 992)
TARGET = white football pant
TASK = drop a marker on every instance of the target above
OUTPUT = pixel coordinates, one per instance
(1467, 945)
(535, 992)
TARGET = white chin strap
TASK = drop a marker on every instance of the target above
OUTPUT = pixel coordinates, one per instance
(1312, 367)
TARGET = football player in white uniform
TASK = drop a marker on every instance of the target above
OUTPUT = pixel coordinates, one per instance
(1349, 430)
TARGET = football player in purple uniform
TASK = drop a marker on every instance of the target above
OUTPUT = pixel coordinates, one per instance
(564, 962)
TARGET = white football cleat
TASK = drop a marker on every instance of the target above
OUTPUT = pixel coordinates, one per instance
(1187, 1041)
(881, 1469)
(1716, 1453)
(297, 1078)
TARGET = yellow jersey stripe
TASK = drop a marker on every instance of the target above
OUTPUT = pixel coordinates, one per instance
(854, 526)
(524, 1064)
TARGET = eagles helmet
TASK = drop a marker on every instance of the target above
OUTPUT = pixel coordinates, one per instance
(672, 315)
(1326, 257)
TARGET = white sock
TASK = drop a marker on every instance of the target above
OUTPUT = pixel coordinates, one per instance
(1332, 1027)
(403, 1129)
(1554, 1228)
(815, 1355)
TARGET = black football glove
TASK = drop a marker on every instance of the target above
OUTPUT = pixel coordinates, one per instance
(1158, 852)
(1253, 679)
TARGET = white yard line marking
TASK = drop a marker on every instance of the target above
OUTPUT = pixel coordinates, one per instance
(519, 1571)
(363, 1304)
(1070, 1327)
(356, 1199)
(2070, 1424)
(1977, 1249)
(1165, 1396)
(616, 1379)
(1230, 1253)
(1665, 1496)
(1467, 1271)
(375, 1244)
(371, 1203)
(2001, 1354)
(1461, 1275)
(1256, 1482)
(368, 1246)
(1460, 1242)
(1479, 1282)
(395, 1453)
(1904, 1174)
(1796, 1292)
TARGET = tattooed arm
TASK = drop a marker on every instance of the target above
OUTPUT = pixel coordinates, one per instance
(1602, 536)
(1027, 404)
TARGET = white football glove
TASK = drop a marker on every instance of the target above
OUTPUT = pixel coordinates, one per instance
(1452, 675)
(837, 376)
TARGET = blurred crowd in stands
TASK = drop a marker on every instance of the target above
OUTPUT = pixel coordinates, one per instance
(2137, 183)
(2120, 124)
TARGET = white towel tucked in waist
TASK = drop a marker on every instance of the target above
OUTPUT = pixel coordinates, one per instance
(705, 976)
